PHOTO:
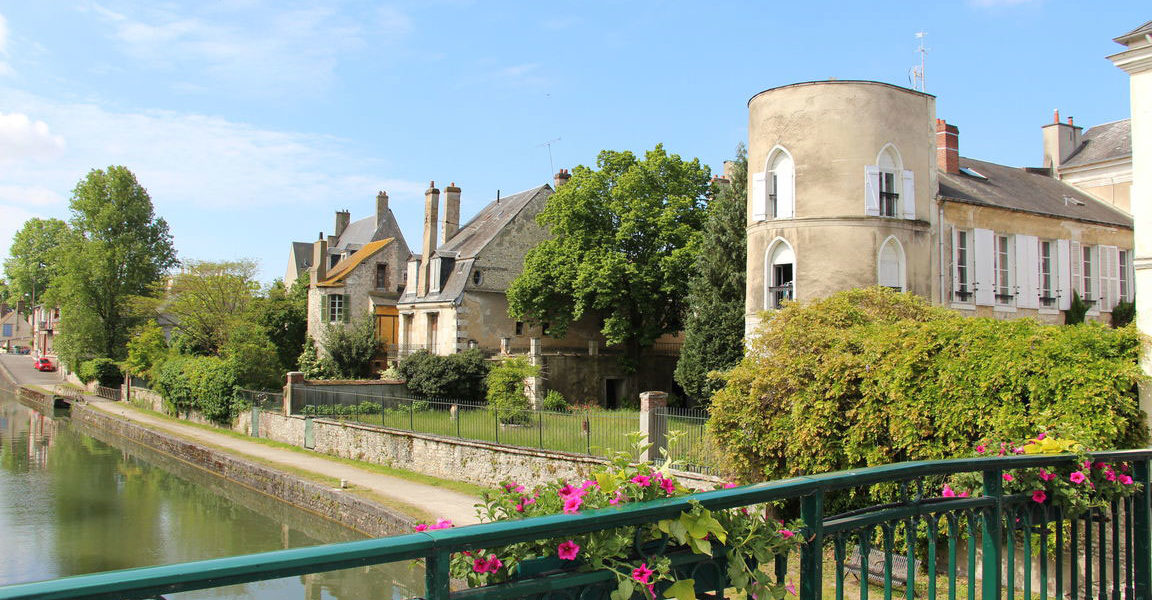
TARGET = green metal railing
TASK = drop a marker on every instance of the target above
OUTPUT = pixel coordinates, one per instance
(988, 546)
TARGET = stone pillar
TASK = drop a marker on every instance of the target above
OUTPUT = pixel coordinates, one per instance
(294, 378)
(505, 345)
(593, 347)
(651, 423)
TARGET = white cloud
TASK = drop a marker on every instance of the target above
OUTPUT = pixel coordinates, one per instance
(21, 137)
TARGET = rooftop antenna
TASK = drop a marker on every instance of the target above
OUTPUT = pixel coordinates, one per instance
(917, 73)
(551, 167)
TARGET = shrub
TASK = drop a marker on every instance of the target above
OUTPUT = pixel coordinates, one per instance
(506, 390)
(456, 376)
(1076, 310)
(104, 371)
(869, 377)
(554, 401)
(1123, 313)
(206, 384)
(314, 366)
(351, 347)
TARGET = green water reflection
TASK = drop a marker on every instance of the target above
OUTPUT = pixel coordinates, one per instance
(75, 500)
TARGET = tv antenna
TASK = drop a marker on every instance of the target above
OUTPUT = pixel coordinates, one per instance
(916, 75)
(550, 165)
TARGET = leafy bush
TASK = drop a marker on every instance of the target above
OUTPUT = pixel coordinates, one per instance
(506, 390)
(104, 371)
(1076, 310)
(1123, 313)
(351, 347)
(206, 384)
(869, 377)
(146, 349)
(313, 365)
(554, 401)
(456, 376)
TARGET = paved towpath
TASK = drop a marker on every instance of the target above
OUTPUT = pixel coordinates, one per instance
(437, 501)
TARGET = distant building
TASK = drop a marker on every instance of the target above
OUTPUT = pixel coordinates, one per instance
(44, 323)
(15, 327)
(1098, 161)
(857, 183)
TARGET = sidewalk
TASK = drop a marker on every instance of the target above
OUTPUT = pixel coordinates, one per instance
(436, 501)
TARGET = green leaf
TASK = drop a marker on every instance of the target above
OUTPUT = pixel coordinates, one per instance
(700, 546)
(624, 590)
(685, 589)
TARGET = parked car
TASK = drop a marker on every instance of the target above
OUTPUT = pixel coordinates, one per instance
(43, 364)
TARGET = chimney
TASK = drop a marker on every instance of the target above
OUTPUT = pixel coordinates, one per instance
(1060, 141)
(431, 207)
(451, 222)
(319, 262)
(947, 147)
(381, 208)
(342, 219)
(561, 178)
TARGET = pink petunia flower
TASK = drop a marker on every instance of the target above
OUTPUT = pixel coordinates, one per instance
(963, 494)
(618, 498)
(642, 573)
(568, 550)
(421, 527)
(791, 587)
(589, 484)
(572, 504)
(668, 486)
(948, 492)
(1041, 436)
(568, 491)
(1077, 477)
(480, 565)
(981, 449)
(494, 563)
(1110, 475)
(1126, 479)
(642, 480)
(729, 485)
(1008, 477)
(443, 524)
(1046, 476)
(786, 533)
(1039, 496)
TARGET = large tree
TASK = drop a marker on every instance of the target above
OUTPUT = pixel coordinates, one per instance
(714, 325)
(624, 236)
(118, 250)
(207, 300)
(283, 312)
(33, 259)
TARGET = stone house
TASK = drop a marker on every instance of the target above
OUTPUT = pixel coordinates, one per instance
(44, 322)
(857, 183)
(15, 327)
(1098, 161)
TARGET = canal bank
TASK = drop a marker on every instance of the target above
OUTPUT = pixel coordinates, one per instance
(372, 502)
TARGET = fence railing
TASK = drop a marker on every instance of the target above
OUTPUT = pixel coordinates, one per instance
(1105, 555)
(264, 400)
(108, 393)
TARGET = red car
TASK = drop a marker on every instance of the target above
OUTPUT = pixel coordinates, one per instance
(43, 364)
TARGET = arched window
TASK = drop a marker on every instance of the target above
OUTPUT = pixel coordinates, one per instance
(890, 265)
(774, 189)
(889, 188)
(779, 276)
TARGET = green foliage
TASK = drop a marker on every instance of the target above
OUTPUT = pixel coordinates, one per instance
(507, 392)
(206, 300)
(714, 324)
(460, 376)
(624, 238)
(206, 384)
(869, 377)
(104, 371)
(1123, 313)
(1076, 310)
(33, 260)
(312, 364)
(283, 313)
(351, 347)
(118, 250)
(146, 348)
(555, 402)
(253, 357)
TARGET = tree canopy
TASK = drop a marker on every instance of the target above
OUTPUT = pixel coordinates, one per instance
(33, 260)
(714, 325)
(118, 250)
(207, 300)
(624, 237)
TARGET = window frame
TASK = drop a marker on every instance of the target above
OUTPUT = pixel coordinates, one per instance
(963, 267)
(1004, 270)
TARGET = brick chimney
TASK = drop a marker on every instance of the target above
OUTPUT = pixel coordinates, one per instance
(561, 178)
(450, 224)
(319, 270)
(343, 217)
(431, 208)
(947, 147)
(1060, 141)
(381, 208)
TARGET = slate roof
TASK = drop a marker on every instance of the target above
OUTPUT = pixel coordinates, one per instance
(1102, 143)
(1135, 33)
(1016, 189)
(358, 233)
(341, 269)
(302, 254)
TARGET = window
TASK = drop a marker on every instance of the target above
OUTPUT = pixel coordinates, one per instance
(1125, 277)
(382, 276)
(962, 288)
(773, 190)
(334, 308)
(1004, 272)
(519, 327)
(477, 277)
(890, 267)
(888, 194)
(779, 276)
(1047, 272)
(1087, 275)
(889, 189)
(7, 330)
(433, 331)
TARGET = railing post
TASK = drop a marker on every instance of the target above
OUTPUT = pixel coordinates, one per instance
(651, 406)
(437, 576)
(1142, 532)
(992, 535)
(812, 552)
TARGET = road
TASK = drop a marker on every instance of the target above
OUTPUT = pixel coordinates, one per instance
(20, 365)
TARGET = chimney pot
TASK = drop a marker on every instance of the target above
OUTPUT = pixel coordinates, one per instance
(1055, 115)
(1070, 121)
(947, 147)
(561, 178)
(450, 222)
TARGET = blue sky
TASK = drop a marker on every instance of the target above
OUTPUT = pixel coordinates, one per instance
(250, 122)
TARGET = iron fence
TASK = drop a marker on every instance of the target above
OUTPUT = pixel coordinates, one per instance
(684, 433)
(108, 393)
(262, 399)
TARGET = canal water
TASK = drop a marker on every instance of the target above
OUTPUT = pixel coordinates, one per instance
(76, 500)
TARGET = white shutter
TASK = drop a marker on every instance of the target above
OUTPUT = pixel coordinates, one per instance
(1027, 271)
(759, 197)
(1063, 275)
(984, 258)
(1075, 262)
(785, 193)
(1109, 277)
(872, 191)
(955, 263)
(908, 201)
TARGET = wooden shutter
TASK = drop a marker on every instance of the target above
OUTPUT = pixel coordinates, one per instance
(984, 260)
(347, 308)
(1063, 274)
(759, 197)
(908, 200)
(1075, 262)
(872, 191)
(324, 308)
(1109, 277)
(785, 193)
(956, 263)
(1027, 271)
